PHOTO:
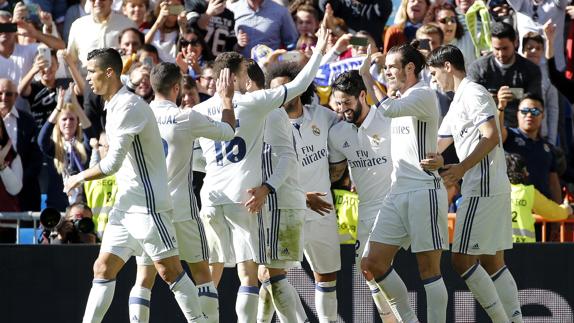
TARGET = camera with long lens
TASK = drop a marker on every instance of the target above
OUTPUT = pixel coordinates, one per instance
(52, 220)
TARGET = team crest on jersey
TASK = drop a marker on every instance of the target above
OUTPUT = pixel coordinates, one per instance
(346, 145)
(316, 130)
(376, 139)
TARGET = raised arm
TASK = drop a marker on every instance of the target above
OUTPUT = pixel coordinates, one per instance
(376, 93)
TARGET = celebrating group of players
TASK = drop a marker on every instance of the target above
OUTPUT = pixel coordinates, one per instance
(270, 157)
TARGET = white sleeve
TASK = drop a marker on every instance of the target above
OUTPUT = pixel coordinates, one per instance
(12, 176)
(335, 156)
(199, 162)
(444, 130)
(200, 125)
(482, 107)
(279, 136)
(420, 103)
(263, 101)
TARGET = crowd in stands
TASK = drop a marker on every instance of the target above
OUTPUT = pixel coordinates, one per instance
(52, 124)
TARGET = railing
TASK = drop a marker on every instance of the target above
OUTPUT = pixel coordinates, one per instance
(19, 217)
(539, 220)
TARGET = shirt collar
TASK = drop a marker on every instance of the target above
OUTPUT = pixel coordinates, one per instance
(461, 86)
(13, 112)
(163, 104)
(419, 84)
(369, 117)
(116, 96)
(306, 113)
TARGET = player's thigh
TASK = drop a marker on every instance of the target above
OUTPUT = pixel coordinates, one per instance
(365, 223)
(285, 237)
(389, 228)
(192, 241)
(427, 220)
(322, 247)
(117, 240)
(218, 234)
(246, 232)
(154, 232)
(483, 225)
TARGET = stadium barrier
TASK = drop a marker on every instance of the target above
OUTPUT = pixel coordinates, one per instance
(51, 284)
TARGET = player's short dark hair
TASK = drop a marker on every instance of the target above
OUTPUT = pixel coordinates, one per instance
(230, 60)
(409, 54)
(255, 73)
(289, 70)
(446, 53)
(515, 167)
(533, 97)
(164, 76)
(502, 30)
(107, 58)
(350, 83)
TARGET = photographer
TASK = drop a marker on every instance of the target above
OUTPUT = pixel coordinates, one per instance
(72, 228)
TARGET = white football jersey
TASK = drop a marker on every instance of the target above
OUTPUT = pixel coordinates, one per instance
(178, 129)
(233, 167)
(367, 150)
(134, 136)
(414, 128)
(280, 163)
(311, 133)
(462, 122)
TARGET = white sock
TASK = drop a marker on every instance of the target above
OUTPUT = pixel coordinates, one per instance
(139, 304)
(99, 301)
(246, 304)
(209, 302)
(286, 300)
(186, 296)
(482, 288)
(265, 308)
(508, 294)
(395, 288)
(299, 309)
(326, 301)
(437, 299)
(381, 302)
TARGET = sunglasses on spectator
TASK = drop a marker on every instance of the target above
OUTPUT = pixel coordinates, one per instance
(304, 47)
(8, 94)
(535, 112)
(447, 20)
(185, 42)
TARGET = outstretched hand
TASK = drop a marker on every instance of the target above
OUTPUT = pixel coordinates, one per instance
(366, 66)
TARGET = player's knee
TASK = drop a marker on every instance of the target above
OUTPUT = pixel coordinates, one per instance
(169, 275)
(461, 263)
(373, 266)
(102, 270)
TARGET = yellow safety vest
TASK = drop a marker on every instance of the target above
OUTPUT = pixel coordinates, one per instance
(100, 196)
(347, 208)
(522, 199)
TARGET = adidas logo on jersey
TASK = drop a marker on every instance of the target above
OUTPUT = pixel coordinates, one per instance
(475, 247)
(346, 145)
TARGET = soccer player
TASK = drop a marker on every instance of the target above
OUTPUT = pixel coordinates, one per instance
(484, 228)
(178, 127)
(141, 218)
(415, 210)
(363, 144)
(233, 167)
(311, 124)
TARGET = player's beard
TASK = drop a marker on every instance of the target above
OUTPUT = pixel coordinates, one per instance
(356, 113)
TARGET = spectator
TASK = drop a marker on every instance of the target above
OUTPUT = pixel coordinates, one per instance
(306, 19)
(531, 15)
(136, 11)
(527, 199)
(370, 16)
(164, 33)
(193, 53)
(74, 12)
(263, 22)
(56, 8)
(206, 84)
(533, 50)
(189, 93)
(409, 18)
(148, 50)
(101, 193)
(462, 7)
(503, 67)
(22, 133)
(453, 30)
(5, 5)
(10, 173)
(527, 142)
(433, 33)
(98, 30)
(62, 139)
(563, 84)
(215, 23)
(131, 40)
(15, 59)
(139, 82)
